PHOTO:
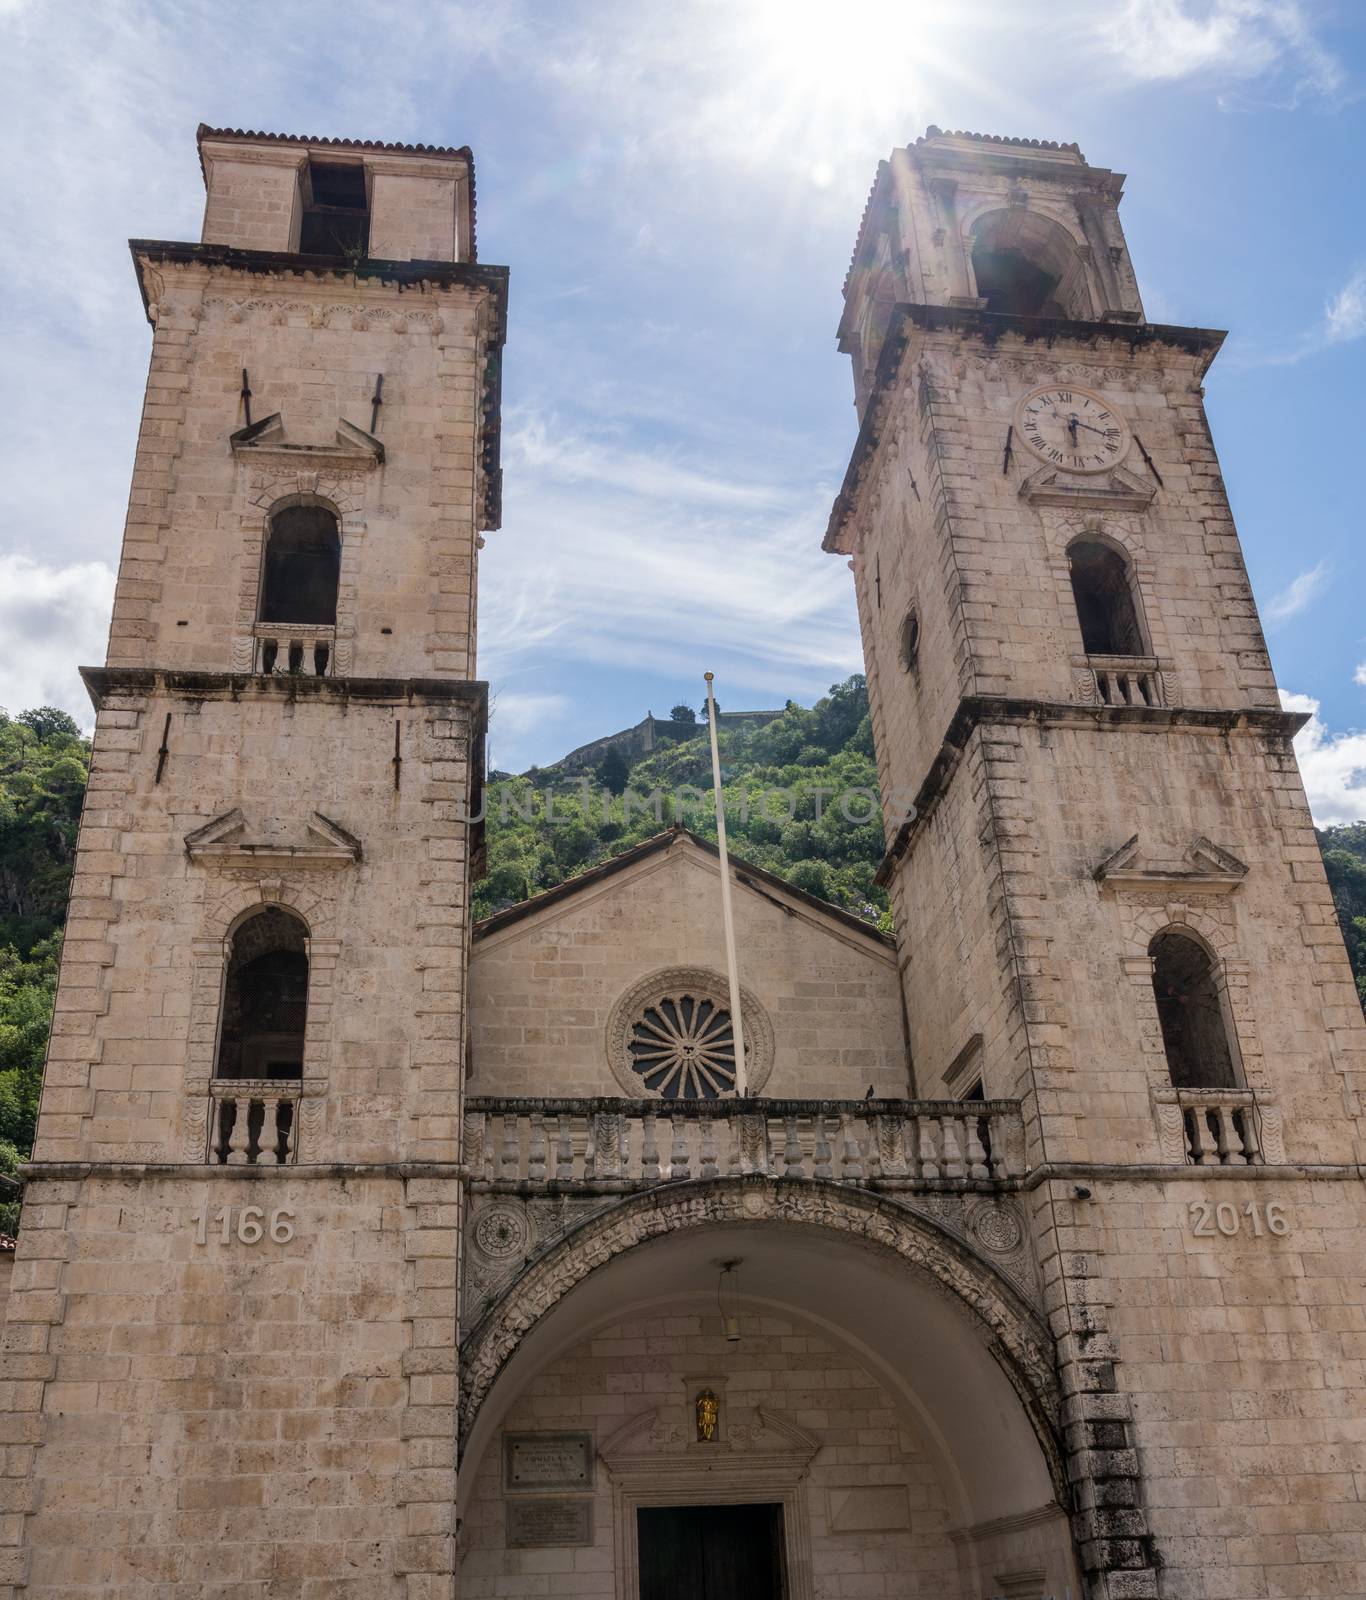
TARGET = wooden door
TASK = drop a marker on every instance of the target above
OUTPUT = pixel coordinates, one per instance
(711, 1552)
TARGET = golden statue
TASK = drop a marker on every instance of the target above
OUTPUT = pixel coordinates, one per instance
(708, 1411)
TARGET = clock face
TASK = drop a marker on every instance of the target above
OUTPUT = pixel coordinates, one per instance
(1072, 429)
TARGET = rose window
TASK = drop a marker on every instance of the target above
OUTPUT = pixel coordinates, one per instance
(671, 1037)
(683, 1047)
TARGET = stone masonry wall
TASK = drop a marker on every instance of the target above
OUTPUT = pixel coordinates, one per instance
(313, 347)
(1240, 1353)
(1099, 1049)
(542, 989)
(269, 1417)
(987, 571)
(645, 1361)
(137, 1012)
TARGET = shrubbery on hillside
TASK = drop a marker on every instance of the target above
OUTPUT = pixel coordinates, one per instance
(1344, 857)
(44, 763)
(800, 801)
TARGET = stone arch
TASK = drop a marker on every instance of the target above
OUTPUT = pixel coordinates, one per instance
(309, 527)
(1010, 1332)
(270, 491)
(237, 900)
(1028, 263)
(1212, 922)
(1124, 535)
(1148, 921)
(1102, 578)
(1201, 1046)
(1124, 538)
(265, 995)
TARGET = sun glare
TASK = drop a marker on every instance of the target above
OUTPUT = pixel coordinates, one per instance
(824, 84)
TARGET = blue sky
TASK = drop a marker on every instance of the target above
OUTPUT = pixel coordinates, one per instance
(676, 185)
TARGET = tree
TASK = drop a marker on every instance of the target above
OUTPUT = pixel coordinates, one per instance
(682, 713)
(47, 720)
(614, 772)
(42, 785)
(26, 991)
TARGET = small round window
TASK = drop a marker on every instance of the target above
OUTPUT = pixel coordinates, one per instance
(910, 642)
(671, 1037)
(683, 1048)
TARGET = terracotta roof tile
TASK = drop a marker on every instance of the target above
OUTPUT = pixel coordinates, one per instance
(206, 132)
(996, 138)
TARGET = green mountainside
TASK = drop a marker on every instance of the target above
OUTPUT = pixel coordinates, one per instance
(800, 801)
(1344, 857)
(44, 763)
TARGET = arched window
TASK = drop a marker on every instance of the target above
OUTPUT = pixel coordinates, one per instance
(1104, 596)
(302, 565)
(265, 998)
(1029, 266)
(1194, 1032)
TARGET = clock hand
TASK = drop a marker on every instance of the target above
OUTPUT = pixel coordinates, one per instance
(1076, 423)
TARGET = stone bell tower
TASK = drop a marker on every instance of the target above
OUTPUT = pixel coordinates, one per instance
(1109, 899)
(232, 1331)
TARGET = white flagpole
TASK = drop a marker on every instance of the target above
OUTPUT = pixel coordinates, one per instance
(727, 916)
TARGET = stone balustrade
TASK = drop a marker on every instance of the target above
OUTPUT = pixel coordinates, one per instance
(253, 1121)
(1218, 1127)
(306, 650)
(1125, 680)
(567, 1145)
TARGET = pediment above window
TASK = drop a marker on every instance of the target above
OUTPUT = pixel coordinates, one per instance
(1206, 868)
(1115, 490)
(267, 440)
(653, 1439)
(224, 841)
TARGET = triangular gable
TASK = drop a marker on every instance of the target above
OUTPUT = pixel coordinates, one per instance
(681, 845)
(328, 844)
(267, 440)
(1206, 868)
(1115, 490)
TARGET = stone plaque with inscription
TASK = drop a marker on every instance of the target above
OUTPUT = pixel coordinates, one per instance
(548, 1522)
(535, 1462)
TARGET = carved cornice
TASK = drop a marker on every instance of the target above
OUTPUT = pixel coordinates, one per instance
(107, 683)
(491, 280)
(974, 710)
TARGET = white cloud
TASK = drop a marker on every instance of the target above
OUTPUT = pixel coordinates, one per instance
(546, 449)
(1359, 676)
(1344, 317)
(51, 619)
(1333, 765)
(1343, 321)
(1165, 40)
(618, 558)
(1298, 595)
